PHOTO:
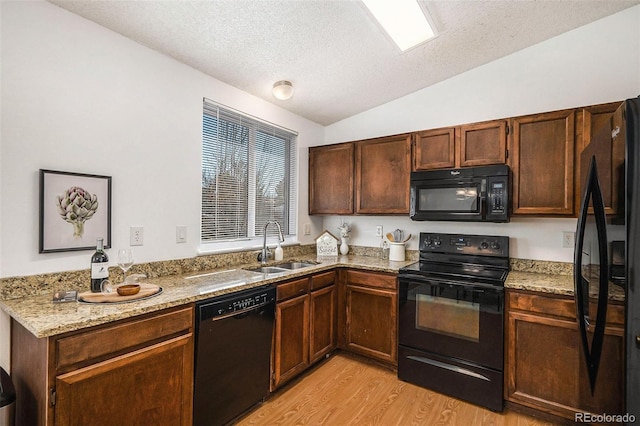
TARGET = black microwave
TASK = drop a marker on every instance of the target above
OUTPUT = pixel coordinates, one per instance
(471, 194)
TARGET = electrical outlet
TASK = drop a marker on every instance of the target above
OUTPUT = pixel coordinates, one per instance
(136, 236)
(307, 229)
(568, 239)
(181, 234)
(379, 231)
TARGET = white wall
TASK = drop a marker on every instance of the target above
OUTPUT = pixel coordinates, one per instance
(593, 64)
(78, 97)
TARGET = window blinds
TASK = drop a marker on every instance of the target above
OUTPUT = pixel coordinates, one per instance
(248, 172)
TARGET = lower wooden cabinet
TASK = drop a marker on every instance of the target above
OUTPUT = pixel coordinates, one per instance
(305, 329)
(371, 305)
(544, 361)
(137, 371)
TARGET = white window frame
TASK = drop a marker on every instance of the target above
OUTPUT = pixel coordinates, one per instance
(254, 242)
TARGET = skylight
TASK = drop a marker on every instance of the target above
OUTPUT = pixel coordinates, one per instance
(403, 20)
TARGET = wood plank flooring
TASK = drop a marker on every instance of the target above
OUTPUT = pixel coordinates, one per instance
(350, 390)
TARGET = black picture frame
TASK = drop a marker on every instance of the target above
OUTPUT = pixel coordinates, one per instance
(75, 210)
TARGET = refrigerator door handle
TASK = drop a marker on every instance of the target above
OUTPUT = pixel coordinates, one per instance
(581, 286)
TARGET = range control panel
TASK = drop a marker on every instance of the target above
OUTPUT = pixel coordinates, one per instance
(484, 245)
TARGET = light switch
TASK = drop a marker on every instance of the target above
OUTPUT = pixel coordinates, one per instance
(181, 234)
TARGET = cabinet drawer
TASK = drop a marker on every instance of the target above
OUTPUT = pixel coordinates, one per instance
(323, 280)
(371, 279)
(98, 344)
(559, 306)
(543, 305)
(292, 289)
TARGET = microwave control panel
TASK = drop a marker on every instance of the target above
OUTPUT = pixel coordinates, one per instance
(498, 197)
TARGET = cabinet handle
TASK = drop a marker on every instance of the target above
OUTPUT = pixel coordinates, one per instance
(638, 340)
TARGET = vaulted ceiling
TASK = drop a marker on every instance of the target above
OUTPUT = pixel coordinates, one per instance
(337, 57)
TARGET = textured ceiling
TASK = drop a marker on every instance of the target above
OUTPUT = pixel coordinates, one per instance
(338, 59)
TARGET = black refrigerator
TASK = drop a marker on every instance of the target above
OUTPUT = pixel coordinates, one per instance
(607, 252)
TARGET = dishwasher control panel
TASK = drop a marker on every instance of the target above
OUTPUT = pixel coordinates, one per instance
(236, 302)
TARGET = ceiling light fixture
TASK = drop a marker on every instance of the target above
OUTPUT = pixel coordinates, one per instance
(282, 89)
(404, 20)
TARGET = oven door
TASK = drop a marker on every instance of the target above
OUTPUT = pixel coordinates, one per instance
(449, 199)
(454, 320)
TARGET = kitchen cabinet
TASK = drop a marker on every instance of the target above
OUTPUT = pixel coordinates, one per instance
(371, 305)
(483, 144)
(305, 328)
(136, 371)
(331, 179)
(594, 127)
(542, 162)
(476, 144)
(434, 149)
(544, 366)
(383, 167)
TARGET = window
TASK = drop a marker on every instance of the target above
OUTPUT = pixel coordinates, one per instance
(248, 172)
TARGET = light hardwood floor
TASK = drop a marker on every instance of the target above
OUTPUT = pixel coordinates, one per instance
(349, 390)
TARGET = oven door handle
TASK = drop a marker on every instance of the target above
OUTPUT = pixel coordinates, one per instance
(420, 279)
(449, 367)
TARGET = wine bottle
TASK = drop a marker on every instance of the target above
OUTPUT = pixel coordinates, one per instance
(99, 267)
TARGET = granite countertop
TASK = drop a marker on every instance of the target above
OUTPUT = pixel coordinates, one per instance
(552, 283)
(43, 318)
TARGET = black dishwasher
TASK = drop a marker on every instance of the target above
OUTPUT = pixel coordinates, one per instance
(232, 354)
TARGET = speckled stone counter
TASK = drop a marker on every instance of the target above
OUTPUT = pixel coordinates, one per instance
(38, 314)
(548, 277)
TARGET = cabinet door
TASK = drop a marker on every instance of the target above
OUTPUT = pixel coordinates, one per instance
(291, 340)
(545, 366)
(594, 127)
(434, 149)
(153, 385)
(331, 179)
(322, 337)
(483, 143)
(383, 168)
(542, 163)
(371, 322)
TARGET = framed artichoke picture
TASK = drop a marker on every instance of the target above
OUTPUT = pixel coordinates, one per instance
(75, 210)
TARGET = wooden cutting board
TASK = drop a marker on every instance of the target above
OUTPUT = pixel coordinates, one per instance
(146, 290)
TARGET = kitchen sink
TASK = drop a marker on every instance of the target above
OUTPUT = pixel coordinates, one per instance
(295, 265)
(267, 269)
(281, 267)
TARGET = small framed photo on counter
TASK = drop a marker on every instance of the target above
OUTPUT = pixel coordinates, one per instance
(75, 210)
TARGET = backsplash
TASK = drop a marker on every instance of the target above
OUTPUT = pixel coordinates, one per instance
(15, 287)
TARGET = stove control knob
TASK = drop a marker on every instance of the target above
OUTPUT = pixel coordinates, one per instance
(428, 242)
(495, 245)
(437, 242)
(484, 245)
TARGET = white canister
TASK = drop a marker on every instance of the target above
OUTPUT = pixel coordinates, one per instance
(396, 252)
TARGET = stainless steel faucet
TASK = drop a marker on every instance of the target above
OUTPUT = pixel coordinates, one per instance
(265, 251)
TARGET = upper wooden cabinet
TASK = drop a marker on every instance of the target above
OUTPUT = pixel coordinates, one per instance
(483, 144)
(383, 169)
(434, 149)
(594, 127)
(542, 163)
(477, 144)
(331, 179)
